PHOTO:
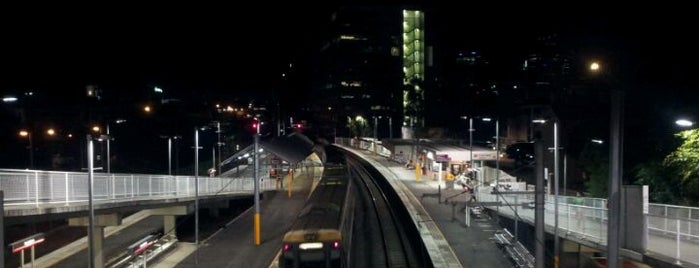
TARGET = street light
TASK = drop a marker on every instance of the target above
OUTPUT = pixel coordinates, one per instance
(684, 122)
(615, 171)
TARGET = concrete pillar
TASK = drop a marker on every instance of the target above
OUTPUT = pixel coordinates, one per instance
(169, 217)
(169, 226)
(97, 231)
(98, 236)
(633, 221)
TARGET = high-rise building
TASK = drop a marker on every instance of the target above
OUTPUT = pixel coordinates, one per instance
(359, 73)
(413, 68)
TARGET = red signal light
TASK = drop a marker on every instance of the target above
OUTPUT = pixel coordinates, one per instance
(336, 245)
(287, 247)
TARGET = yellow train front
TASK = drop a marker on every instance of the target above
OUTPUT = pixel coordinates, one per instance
(312, 248)
(321, 234)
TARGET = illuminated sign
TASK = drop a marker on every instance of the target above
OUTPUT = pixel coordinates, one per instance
(27, 242)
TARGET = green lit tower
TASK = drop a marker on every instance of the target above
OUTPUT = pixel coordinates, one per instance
(413, 68)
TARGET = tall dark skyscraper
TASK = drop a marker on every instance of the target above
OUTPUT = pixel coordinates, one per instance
(360, 72)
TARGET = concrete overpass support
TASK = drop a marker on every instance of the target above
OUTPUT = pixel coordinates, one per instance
(97, 231)
(169, 218)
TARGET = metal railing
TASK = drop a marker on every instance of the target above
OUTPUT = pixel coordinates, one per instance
(38, 187)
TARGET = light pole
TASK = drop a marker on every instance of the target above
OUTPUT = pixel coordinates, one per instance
(218, 146)
(556, 179)
(375, 126)
(196, 195)
(257, 185)
(109, 138)
(25, 133)
(390, 127)
(91, 220)
(615, 170)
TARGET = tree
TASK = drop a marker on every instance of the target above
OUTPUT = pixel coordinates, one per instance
(685, 160)
(594, 162)
(359, 127)
(663, 182)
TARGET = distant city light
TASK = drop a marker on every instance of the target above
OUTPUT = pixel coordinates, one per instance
(486, 119)
(96, 129)
(23, 133)
(539, 121)
(51, 132)
(597, 141)
(9, 99)
(158, 90)
(146, 109)
(594, 66)
(684, 123)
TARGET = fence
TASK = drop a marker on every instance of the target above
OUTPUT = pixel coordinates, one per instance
(35, 187)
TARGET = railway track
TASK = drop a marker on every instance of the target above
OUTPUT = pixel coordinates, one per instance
(393, 241)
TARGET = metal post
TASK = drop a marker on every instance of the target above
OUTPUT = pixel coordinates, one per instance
(565, 174)
(109, 138)
(497, 160)
(375, 126)
(390, 127)
(196, 196)
(2, 227)
(257, 187)
(31, 151)
(470, 149)
(555, 186)
(615, 173)
(33, 252)
(516, 217)
(91, 220)
(169, 156)
(677, 240)
(218, 131)
(539, 204)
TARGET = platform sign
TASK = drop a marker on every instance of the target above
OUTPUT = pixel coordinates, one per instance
(27, 242)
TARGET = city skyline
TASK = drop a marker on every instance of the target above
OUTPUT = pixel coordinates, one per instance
(270, 56)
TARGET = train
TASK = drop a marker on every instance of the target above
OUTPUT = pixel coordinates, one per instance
(321, 235)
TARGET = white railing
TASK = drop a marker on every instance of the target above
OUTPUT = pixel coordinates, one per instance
(38, 187)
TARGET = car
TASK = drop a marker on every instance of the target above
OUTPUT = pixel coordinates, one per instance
(522, 153)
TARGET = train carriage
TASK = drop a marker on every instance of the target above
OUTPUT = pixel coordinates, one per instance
(321, 234)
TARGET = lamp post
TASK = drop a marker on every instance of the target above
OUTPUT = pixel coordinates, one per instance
(556, 179)
(375, 126)
(615, 170)
(30, 148)
(196, 195)
(257, 185)
(91, 220)
(390, 127)
(109, 138)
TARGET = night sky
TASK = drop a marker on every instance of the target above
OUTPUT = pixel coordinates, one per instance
(243, 50)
